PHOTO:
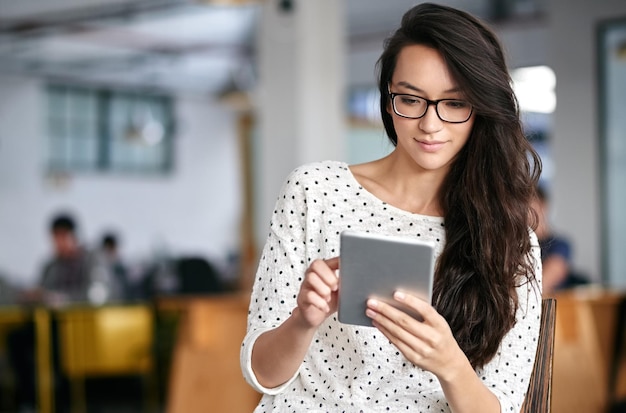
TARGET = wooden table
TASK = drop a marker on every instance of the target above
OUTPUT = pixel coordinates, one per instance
(586, 320)
(205, 375)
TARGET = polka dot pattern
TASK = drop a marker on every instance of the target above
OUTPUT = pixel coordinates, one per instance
(350, 368)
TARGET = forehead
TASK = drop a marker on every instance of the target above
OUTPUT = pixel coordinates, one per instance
(423, 67)
(61, 233)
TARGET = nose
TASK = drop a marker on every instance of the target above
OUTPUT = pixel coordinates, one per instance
(430, 122)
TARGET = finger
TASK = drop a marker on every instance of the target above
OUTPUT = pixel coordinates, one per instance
(317, 284)
(333, 263)
(317, 301)
(310, 297)
(428, 313)
(411, 350)
(325, 272)
(414, 353)
(397, 321)
(414, 348)
(434, 327)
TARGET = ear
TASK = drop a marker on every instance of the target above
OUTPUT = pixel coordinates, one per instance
(388, 98)
(389, 108)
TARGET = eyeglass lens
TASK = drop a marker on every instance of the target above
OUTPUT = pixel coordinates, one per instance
(450, 110)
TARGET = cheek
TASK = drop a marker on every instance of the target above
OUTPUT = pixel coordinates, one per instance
(466, 131)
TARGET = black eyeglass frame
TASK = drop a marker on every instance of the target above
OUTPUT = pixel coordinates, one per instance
(428, 103)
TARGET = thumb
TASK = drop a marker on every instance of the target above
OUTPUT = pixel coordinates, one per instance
(333, 263)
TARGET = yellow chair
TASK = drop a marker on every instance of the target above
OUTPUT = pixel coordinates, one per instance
(106, 341)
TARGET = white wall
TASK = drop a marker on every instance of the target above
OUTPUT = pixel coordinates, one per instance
(576, 144)
(193, 210)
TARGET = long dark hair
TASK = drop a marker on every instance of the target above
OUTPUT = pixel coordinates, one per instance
(486, 195)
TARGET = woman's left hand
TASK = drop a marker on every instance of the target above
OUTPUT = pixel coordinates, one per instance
(428, 344)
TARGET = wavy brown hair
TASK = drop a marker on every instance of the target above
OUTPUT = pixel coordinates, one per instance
(486, 195)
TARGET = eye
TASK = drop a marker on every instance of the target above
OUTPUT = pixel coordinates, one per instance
(456, 104)
(410, 100)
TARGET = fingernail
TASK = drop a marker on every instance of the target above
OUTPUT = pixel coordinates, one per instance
(372, 303)
(399, 295)
(370, 313)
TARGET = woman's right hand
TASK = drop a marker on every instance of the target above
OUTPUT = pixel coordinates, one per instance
(278, 353)
(317, 298)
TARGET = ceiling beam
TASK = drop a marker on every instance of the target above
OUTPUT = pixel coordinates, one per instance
(73, 19)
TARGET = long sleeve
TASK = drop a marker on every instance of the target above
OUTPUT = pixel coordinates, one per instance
(279, 274)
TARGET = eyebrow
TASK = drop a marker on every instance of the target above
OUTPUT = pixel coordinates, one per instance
(418, 90)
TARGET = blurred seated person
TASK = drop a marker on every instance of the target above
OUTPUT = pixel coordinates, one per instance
(65, 277)
(556, 251)
(73, 273)
(109, 249)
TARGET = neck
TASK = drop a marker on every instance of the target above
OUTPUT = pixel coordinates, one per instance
(403, 185)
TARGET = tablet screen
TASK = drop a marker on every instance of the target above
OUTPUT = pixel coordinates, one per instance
(374, 265)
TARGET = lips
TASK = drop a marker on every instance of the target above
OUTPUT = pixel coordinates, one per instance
(430, 146)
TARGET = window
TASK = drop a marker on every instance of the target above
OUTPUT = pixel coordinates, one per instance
(534, 87)
(611, 47)
(105, 130)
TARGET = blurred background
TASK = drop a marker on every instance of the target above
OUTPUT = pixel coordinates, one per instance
(170, 125)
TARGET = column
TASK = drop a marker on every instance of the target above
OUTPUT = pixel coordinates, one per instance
(300, 97)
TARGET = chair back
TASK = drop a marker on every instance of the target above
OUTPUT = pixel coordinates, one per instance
(104, 341)
(540, 387)
(196, 275)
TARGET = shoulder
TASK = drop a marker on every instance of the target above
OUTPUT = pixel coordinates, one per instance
(534, 240)
(321, 169)
(47, 265)
(316, 176)
(534, 257)
(311, 180)
(555, 245)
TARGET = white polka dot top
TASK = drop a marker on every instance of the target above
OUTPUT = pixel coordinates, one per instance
(353, 368)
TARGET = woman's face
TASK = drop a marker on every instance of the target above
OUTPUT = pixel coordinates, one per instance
(430, 142)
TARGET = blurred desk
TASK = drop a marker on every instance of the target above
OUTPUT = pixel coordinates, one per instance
(93, 340)
(205, 374)
(586, 321)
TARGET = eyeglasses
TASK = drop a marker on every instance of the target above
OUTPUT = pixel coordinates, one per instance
(415, 107)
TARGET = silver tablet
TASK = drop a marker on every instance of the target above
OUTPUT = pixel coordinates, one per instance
(374, 265)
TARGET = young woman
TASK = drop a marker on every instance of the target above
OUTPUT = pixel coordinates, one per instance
(461, 175)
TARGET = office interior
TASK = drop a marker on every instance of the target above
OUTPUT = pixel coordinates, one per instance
(214, 102)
